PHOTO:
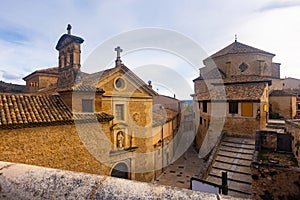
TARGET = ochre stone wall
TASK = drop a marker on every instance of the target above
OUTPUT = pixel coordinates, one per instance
(52, 146)
(275, 182)
(230, 65)
(46, 81)
(241, 126)
(284, 105)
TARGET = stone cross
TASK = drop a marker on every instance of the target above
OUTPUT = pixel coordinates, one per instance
(69, 27)
(118, 50)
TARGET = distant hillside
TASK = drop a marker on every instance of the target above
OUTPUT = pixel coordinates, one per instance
(12, 88)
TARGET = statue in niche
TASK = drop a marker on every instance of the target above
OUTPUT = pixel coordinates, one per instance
(120, 140)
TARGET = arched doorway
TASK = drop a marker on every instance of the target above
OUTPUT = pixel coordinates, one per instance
(120, 171)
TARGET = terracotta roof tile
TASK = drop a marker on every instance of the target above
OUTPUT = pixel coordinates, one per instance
(23, 110)
(160, 117)
(238, 48)
(234, 92)
(47, 71)
(282, 93)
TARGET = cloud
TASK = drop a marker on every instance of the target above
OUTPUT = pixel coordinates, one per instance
(279, 5)
(8, 76)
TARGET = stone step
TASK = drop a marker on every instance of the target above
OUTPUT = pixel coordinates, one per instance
(229, 166)
(235, 155)
(228, 148)
(236, 151)
(233, 161)
(232, 175)
(232, 185)
(239, 140)
(245, 172)
(237, 146)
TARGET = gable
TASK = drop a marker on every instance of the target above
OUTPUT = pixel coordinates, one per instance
(121, 84)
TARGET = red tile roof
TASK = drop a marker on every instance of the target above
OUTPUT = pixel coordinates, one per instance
(238, 48)
(23, 110)
(95, 78)
(234, 92)
(47, 71)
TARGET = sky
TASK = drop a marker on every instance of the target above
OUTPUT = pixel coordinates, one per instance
(29, 31)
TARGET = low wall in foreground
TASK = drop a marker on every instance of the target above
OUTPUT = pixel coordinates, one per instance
(20, 181)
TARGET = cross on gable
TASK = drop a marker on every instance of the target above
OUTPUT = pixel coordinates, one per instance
(118, 50)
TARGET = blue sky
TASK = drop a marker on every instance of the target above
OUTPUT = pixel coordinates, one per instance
(29, 30)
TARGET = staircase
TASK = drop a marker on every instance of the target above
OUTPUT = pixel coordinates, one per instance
(234, 156)
(276, 125)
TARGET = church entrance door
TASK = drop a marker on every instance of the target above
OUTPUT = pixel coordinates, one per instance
(120, 171)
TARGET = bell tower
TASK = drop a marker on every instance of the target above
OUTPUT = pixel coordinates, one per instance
(68, 47)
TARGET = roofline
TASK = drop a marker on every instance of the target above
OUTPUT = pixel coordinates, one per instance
(214, 57)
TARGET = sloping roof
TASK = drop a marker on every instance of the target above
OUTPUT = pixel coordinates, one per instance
(81, 87)
(238, 48)
(215, 73)
(47, 71)
(160, 117)
(234, 92)
(282, 93)
(95, 78)
(23, 110)
(67, 39)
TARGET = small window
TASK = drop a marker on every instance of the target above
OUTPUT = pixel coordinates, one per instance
(247, 109)
(243, 67)
(200, 120)
(233, 107)
(119, 112)
(299, 106)
(120, 83)
(87, 105)
(204, 106)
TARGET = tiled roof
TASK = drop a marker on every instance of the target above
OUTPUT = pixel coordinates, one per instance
(22, 110)
(95, 78)
(215, 73)
(234, 92)
(238, 48)
(282, 93)
(52, 70)
(160, 117)
(81, 87)
(47, 71)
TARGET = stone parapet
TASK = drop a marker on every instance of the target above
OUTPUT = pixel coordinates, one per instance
(20, 181)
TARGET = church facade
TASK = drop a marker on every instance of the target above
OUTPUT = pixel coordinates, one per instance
(97, 123)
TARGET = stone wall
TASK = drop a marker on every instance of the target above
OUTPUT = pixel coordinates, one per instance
(20, 181)
(268, 139)
(284, 105)
(293, 127)
(52, 146)
(275, 182)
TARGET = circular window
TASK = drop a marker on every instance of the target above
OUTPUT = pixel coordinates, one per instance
(243, 67)
(120, 83)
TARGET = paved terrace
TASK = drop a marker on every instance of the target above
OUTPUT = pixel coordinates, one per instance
(179, 173)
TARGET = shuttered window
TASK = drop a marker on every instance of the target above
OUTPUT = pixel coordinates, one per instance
(247, 109)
